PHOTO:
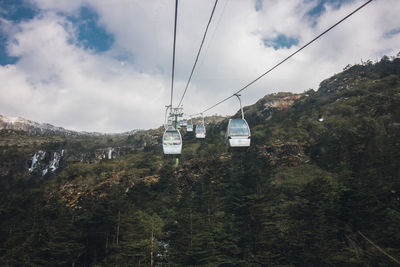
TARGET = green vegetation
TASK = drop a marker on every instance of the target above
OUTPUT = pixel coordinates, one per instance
(319, 171)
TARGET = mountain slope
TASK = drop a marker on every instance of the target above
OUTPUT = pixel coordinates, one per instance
(322, 168)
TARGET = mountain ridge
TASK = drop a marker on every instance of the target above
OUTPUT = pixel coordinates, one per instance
(22, 124)
(322, 168)
(27, 125)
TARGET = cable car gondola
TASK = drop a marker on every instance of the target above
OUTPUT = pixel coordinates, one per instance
(200, 131)
(184, 123)
(189, 126)
(238, 131)
(172, 141)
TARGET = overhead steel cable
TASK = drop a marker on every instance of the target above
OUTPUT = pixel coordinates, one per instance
(287, 58)
(215, 30)
(379, 248)
(198, 53)
(173, 53)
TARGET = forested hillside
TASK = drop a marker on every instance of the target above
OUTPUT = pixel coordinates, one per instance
(322, 175)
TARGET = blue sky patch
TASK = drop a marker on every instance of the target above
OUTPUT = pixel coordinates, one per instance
(14, 11)
(258, 5)
(17, 10)
(125, 57)
(391, 33)
(5, 59)
(281, 41)
(320, 8)
(90, 34)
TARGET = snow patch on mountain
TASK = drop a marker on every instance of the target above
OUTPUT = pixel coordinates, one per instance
(21, 124)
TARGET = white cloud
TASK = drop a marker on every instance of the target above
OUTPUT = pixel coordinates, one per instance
(59, 82)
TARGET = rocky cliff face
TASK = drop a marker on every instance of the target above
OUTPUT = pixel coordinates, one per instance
(25, 155)
(48, 161)
(112, 152)
(286, 153)
(44, 162)
(32, 149)
(271, 103)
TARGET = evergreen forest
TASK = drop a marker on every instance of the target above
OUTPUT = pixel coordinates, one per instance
(319, 186)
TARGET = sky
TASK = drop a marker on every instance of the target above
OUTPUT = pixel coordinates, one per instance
(105, 65)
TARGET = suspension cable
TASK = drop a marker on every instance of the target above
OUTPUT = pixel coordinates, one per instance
(284, 60)
(173, 53)
(198, 53)
(213, 34)
(379, 248)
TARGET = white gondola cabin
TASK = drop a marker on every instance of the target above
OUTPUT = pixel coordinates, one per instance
(172, 141)
(189, 127)
(238, 131)
(200, 131)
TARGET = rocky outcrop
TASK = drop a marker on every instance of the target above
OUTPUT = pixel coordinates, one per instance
(285, 154)
(111, 152)
(339, 83)
(266, 106)
(73, 194)
(43, 162)
(280, 101)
